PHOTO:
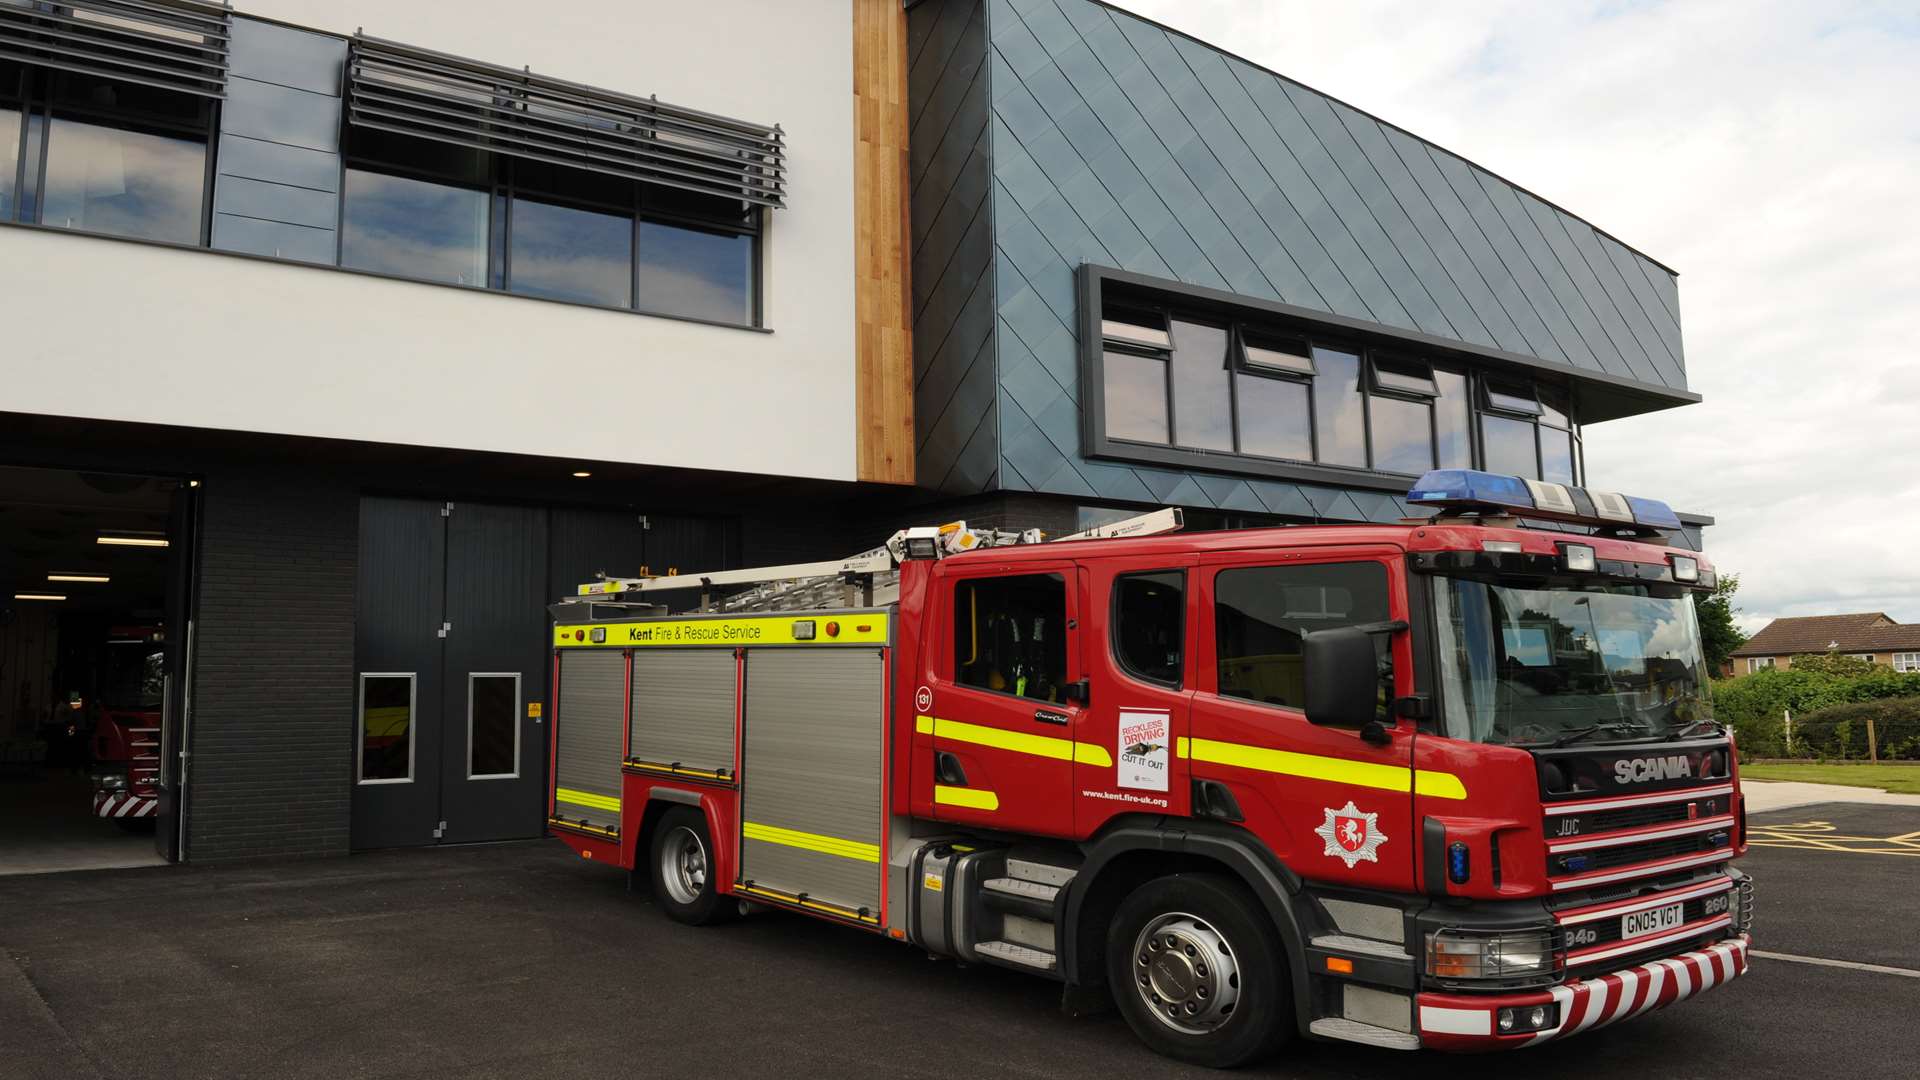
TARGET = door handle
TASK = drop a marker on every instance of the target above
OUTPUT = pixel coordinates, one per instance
(1050, 716)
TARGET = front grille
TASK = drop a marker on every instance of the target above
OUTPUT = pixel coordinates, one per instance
(1564, 826)
(1651, 850)
(1627, 890)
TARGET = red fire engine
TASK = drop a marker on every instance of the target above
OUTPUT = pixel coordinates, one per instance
(1452, 783)
(126, 731)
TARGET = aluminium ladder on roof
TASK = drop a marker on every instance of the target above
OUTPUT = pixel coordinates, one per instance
(871, 578)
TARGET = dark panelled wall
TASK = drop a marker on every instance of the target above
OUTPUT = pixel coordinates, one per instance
(273, 677)
(1115, 142)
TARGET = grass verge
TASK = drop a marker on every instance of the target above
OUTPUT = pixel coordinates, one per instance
(1904, 779)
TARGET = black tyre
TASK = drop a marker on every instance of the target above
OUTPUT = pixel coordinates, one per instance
(680, 866)
(1197, 969)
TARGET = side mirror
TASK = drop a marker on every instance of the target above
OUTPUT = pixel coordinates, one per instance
(1343, 678)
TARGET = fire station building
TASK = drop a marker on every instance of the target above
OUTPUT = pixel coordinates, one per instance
(342, 336)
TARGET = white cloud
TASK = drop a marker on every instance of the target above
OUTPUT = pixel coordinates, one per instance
(1770, 152)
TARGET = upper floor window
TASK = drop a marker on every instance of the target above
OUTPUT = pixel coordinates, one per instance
(1202, 386)
(1010, 635)
(82, 152)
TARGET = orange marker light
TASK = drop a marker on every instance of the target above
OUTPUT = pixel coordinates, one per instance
(1343, 966)
(833, 629)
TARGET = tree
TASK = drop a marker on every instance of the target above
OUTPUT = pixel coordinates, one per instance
(1718, 633)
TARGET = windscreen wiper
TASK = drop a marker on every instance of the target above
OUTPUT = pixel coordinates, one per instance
(1690, 728)
(1568, 738)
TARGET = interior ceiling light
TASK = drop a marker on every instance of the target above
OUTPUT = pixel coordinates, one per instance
(91, 579)
(37, 596)
(132, 540)
(581, 474)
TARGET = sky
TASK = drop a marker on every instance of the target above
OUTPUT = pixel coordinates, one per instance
(1769, 152)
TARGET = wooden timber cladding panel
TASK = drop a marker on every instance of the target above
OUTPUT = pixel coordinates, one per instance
(883, 375)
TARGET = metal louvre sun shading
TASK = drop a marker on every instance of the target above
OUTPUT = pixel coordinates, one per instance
(171, 44)
(410, 91)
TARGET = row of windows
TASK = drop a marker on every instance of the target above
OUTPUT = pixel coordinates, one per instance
(1010, 632)
(92, 155)
(1190, 383)
(1902, 661)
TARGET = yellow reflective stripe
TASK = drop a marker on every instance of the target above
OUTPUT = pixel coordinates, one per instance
(586, 798)
(806, 841)
(971, 798)
(1019, 742)
(1439, 785)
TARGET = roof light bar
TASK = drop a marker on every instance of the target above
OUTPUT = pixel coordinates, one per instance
(1470, 489)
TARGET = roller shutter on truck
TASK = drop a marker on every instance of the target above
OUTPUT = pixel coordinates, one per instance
(590, 716)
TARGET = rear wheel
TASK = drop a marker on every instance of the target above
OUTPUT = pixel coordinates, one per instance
(681, 866)
(1197, 969)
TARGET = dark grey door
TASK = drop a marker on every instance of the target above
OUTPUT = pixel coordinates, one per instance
(399, 686)
(176, 662)
(494, 765)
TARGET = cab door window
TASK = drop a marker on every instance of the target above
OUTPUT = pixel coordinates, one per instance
(1149, 623)
(1261, 614)
(1010, 635)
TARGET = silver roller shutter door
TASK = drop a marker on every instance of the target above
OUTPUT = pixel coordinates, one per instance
(814, 741)
(683, 708)
(593, 688)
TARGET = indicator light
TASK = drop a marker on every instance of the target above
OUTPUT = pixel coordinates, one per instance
(1340, 964)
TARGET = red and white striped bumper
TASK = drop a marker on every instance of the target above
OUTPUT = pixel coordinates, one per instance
(1467, 1022)
(121, 804)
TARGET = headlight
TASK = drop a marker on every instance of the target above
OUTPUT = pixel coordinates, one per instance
(110, 781)
(1466, 954)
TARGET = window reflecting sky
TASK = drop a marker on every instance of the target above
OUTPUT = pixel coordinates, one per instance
(9, 159)
(1273, 418)
(1452, 420)
(1202, 395)
(1402, 435)
(566, 254)
(1136, 397)
(414, 229)
(1337, 406)
(127, 183)
(702, 275)
(1509, 446)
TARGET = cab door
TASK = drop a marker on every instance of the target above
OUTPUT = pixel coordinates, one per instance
(1141, 672)
(1335, 806)
(992, 711)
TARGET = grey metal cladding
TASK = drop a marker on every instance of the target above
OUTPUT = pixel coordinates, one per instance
(952, 228)
(683, 708)
(279, 54)
(813, 746)
(277, 189)
(590, 709)
(274, 239)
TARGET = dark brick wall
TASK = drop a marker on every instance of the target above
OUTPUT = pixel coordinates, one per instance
(272, 717)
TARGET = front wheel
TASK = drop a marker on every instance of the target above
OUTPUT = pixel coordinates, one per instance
(681, 866)
(1197, 969)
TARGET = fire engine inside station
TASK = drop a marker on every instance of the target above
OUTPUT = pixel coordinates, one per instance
(86, 642)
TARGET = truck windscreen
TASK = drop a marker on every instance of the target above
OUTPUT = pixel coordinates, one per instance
(1545, 664)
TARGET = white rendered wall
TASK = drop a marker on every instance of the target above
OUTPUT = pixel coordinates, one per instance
(123, 331)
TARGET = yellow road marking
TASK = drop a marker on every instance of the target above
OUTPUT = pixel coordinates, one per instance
(586, 798)
(806, 841)
(971, 798)
(1823, 836)
(1019, 742)
(1439, 785)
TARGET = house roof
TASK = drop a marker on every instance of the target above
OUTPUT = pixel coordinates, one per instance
(1870, 631)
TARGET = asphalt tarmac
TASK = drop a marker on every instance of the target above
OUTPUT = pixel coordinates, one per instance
(523, 961)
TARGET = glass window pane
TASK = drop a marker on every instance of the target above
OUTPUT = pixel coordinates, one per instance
(566, 254)
(1261, 613)
(1556, 456)
(1202, 392)
(1509, 446)
(1273, 418)
(493, 738)
(1404, 376)
(9, 159)
(386, 727)
(1553, 407)
(696, 273)
(1513, 397)
(1277, 352)
(1150, 616)
(1336, 408)
(127, 183)
(414, 229)
(1402, 435)
(1145, 328)
(1136, 390)
(1452, 420)
(1010, 635)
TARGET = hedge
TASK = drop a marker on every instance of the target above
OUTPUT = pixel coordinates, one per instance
(1755, 705)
